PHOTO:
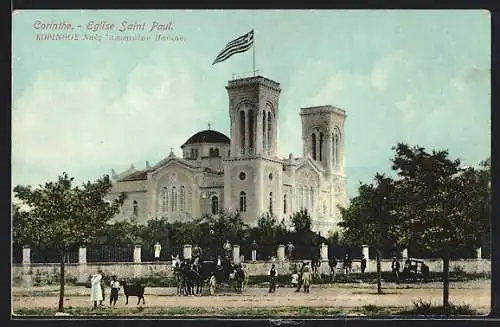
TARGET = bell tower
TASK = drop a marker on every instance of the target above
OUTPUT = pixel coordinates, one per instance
(253, 112)
(253, 173)
(323, 137)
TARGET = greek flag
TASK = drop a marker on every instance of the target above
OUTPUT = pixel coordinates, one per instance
(241, 44)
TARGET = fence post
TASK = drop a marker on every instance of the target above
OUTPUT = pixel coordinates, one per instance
(187, 251)
(324, 252)
(82, 265)
(281, 252)
(26, 277)
(236, 254)
(26, 255)
(137, 253)
(405, 254)
(82, 255)
(366, 252)
(478, 253)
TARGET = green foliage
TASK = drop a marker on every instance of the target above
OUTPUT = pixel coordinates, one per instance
(59, 215)
(440, 206)
(368, 219)
(422, 307)
(301, 221)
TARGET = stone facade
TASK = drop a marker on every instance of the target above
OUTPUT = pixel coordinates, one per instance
(244, 173)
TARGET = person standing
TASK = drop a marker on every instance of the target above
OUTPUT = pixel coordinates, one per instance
(290, 248)
(212, 283)
(254, 250)
(333, 265)
(306, 277)
(295, 279)
(103, 288)
(227, 249)
(347, 264)
(157, 248)
(272, 279)
(95, 288)
(115, 287)
(363, 264)
(299, 285)
(395, 269)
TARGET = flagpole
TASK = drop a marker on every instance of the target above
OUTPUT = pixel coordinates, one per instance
(253, 56)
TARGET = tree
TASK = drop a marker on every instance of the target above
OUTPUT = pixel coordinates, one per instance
(440, 207)
(61, 216)
(368, 220)
(267, 227)
(301, 221)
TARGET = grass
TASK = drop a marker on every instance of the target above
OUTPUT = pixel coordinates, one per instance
(427, 308)
(420, 308)
(217, 312)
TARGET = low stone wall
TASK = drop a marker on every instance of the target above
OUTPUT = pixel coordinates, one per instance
(36, 273)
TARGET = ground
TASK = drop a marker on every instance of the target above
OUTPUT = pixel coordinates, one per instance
(324, 299)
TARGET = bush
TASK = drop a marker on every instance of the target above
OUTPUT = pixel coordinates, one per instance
(426, 308)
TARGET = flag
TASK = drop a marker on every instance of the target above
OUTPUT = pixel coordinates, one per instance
(241, 44)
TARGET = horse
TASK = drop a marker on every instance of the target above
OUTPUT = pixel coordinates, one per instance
(178, 275)
(197, 276)
(239, 279)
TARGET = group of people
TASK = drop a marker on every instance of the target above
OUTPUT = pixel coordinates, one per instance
(346, 265)
(300, 278)
(97, 287)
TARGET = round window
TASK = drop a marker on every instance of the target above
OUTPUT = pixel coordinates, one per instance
(270, 176)
(243, 176)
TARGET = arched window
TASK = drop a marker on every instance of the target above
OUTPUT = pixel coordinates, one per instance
(269, 131)
(284, 204)
(215, 205)
(264, 139)
(306, 197)
(216, 152)
(337, 152)
(320, 146)
(250, 129)
(312, 200)
(334, 150)
(313, 144)
(182, 199)
(136, 209)
(243, 201)
(242, 131)
(271, 202)
(164, 199)
(174, 199)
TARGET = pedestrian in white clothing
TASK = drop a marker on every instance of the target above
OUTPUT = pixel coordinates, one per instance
(157, 248)
(95, 288)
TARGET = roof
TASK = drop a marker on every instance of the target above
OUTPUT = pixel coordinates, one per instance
(135, 176)
(208, 136)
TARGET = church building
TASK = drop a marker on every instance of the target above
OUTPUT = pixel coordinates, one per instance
(244, 172)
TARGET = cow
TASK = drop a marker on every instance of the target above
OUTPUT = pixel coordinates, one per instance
(133, 290)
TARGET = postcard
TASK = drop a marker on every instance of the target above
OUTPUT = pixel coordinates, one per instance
(270, 163)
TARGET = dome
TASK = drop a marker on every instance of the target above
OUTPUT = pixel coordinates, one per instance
(207, 136)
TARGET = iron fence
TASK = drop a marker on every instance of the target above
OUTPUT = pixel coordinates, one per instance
(17, 254)
(110, 254)
(166, 253)
(47, 255)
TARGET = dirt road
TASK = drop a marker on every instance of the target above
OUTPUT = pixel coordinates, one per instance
(476, 294)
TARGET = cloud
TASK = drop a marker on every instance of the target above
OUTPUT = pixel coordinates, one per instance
(386, 69)
(406, 106)
(100, 121)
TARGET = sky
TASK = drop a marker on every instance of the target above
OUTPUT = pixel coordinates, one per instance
(88, 106)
